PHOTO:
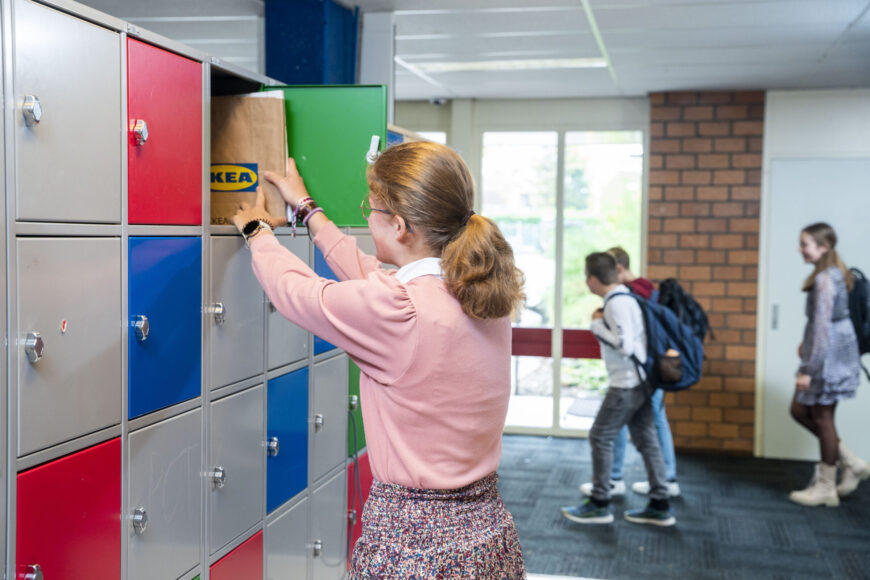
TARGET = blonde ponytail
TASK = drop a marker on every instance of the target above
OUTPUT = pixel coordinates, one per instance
(479, 271)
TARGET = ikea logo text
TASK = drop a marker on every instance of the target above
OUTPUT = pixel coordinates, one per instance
(234, 177)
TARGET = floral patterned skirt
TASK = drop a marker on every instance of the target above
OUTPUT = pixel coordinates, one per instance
(420, 534)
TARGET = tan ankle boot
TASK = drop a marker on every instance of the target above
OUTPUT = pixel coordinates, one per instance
(854, 471)
(822, 489)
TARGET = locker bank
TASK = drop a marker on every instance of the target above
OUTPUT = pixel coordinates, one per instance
(165, 420)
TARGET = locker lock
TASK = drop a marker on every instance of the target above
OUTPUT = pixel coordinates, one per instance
(319, 421)
(33, 572)
(218, 477)
(32, 110)
(139, 517)
(139, 131)
(219, 311)
(141, 326)
(372, 154)
(317, 548)
(34, 346)
(272, 446)
(353, 402)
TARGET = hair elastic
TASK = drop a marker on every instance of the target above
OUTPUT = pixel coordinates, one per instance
(467, 217)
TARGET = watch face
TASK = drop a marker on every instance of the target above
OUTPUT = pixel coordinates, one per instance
(250, 227)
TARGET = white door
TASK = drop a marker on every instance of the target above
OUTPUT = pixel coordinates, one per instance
(800, 192)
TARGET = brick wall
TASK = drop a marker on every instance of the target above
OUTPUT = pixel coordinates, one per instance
(704, 193)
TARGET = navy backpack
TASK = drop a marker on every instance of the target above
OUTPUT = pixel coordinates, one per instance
(675, 353)
(859, 312)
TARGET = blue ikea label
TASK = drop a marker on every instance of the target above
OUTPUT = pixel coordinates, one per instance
(233, 177)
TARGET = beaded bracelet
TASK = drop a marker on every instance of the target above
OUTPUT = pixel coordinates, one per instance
(297, 213)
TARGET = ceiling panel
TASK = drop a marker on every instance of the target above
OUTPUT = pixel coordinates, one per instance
(460, 23)
(579, 45)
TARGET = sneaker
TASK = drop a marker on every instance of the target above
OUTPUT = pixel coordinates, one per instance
(588, 513)
(617, 487)
(649, 515)
(642, 488)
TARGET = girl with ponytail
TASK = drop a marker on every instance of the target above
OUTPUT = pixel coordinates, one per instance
(830, 367)
(433, 343)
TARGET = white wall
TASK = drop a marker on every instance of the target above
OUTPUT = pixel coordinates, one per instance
(819, 125)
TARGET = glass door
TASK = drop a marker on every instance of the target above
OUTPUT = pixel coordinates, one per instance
(557, 197)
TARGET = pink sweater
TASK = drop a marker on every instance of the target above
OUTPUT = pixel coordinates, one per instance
(434, 384)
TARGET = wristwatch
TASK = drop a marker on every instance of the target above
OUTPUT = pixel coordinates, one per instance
(252, 228)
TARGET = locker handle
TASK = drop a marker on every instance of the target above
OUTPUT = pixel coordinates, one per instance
(272, 446)
(218, 477)
(141, 326)
(319, 421)
(139, 131)
(33, 572)
(219, 311)
(34, 347)
(372, 154)
(139, 517)
(32, 110)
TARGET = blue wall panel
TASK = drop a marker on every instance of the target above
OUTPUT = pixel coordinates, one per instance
(324, 271)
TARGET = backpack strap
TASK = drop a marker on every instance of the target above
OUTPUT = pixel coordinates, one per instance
(638, 366)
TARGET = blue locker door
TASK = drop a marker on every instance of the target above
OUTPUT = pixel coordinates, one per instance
(165, 286)
(322, 269)
(287, 420)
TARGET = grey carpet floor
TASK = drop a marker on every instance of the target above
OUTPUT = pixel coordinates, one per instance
(734, 520)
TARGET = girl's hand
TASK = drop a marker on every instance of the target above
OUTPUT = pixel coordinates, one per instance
(248, 213)
(802, 383)
(291, 187)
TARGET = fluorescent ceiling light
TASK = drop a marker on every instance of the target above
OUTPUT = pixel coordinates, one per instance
(511, 65)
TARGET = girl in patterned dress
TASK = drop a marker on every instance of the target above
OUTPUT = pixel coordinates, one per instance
(433, 343)
(829, 369)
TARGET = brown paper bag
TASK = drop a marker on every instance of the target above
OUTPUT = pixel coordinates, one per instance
(248, 136)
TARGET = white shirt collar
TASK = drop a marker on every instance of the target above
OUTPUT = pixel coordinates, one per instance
(424, 267)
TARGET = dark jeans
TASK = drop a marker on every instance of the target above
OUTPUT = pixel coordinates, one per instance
(630, 407)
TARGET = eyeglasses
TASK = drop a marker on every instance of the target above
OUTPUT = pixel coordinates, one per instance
(366, 209)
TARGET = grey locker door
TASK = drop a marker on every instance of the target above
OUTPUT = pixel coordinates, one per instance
(237, 334)
(69, 163)
(329, 526)
(237, 447)
(287, 342)
(164, 467)
(287, 544)
(69, 292)
(329, 416)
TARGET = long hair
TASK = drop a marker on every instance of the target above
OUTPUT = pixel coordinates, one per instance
(430, 187)
(825, 236)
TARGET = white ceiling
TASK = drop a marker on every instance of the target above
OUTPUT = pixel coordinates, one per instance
(643, 45)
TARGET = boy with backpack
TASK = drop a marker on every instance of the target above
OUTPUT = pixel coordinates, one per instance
(643, 288)
(620, 328)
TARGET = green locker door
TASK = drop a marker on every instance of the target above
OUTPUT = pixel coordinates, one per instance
(356, 436)
(329, 131)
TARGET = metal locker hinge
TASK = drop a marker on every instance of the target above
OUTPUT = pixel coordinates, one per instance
(33, 572)
(139, 517)
(218, 477)
(34, 346)
(139, 131)
(141, 327)
(372, 154)
(218, 310)
(353, 402)
(272, 447)
(319, 421)
(32, 110)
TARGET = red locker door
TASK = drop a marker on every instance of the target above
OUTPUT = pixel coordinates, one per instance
(69, 516)
(164, 106)
(243, 563)
(354, 495)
